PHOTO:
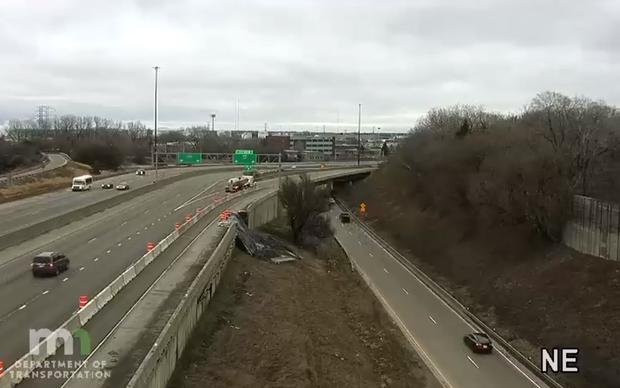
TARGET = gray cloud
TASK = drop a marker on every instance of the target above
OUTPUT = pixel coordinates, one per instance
(301, 63)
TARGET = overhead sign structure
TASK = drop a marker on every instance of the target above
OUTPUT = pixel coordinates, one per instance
(189, 158)
(245, 157)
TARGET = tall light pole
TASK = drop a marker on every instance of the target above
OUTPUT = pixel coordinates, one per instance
(213, 121)
(155, 136)
(359, 138)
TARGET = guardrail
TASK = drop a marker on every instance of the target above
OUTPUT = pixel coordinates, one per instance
(46, 348)
(447, 297)
(160, 362)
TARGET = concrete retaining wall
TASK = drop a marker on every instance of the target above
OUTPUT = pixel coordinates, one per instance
(159, 364)
(22, 367)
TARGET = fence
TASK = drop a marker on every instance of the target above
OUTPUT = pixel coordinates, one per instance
(594, 227)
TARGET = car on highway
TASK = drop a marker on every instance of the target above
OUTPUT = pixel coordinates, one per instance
(345, 217)
(478, 342)
(107, 186)
(122, 186)
(141, 172)
(49, 263)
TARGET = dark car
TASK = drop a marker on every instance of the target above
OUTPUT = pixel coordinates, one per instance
(345, 218)
(49, 263)
(478, 342)
(107, 185)
(122, 186)
(332, 202)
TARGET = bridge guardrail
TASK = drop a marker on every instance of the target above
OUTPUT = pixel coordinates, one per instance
(447, 297)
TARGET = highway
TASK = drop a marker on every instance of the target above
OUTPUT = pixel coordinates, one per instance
(100, 247)
(19, 214)
(54, 161)
(433, 328)
(29, 211)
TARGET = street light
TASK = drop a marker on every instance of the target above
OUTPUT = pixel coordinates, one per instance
(155, 136)
(359, 127)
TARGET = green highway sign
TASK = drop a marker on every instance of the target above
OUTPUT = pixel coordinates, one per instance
(189, 158)
(247, 157)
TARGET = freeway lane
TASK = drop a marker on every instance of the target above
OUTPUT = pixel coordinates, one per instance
(19, 214)
(100, 248)
(434, 328)
(99, 251)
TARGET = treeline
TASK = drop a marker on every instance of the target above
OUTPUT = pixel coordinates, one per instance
(16, 155)
(106, 144)
(100, 142)
(509, 170)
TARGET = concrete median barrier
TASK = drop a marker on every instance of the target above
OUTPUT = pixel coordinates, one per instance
(87, 312)
(160, 362)
(29, 232)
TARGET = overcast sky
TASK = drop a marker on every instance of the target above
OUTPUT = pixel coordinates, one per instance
(301, 64)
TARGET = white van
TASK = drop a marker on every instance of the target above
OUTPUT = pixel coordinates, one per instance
(81, 183)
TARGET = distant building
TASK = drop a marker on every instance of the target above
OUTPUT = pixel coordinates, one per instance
(314, 144)
(277, 143)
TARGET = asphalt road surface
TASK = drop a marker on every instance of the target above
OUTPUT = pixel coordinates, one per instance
(55, 161)
(434, 328)
(19, 214)
(100, 247)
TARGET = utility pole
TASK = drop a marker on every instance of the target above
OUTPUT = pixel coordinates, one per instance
(359, 128)
(155, 136)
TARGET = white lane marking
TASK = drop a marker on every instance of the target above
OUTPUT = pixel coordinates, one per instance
(120, 244)
(448, 306)
(92, 239)
(350, 233)
(370, 254)
(124, 223)
(137, 232)
(432, 319)
(46, 292)
(152, 223)
(81, 268)
(472, 361)
(159, 220)
(359, 242)
(428, 361)
(129, 238)
(146, 228)
(96, 259)
(65, 279)
(519, 369)
(386, 271)
(147, 211)
(405, 291)
(165, 216)
(22, 307)
(147, 292)
(195, 197)
(108, 251)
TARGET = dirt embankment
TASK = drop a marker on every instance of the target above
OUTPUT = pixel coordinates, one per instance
(311, 323)
(43, 183)
(535, 293)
